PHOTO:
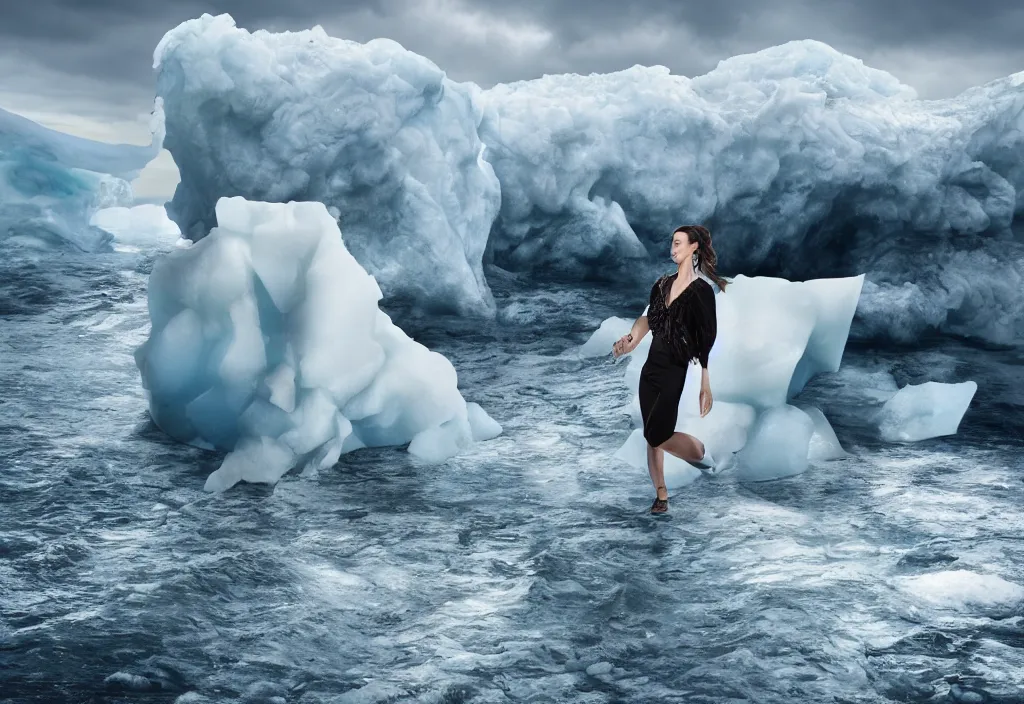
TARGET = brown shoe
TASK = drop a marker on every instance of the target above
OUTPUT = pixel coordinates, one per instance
(659, 506)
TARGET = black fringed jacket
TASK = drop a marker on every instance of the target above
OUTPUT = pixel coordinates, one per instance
(689, 326)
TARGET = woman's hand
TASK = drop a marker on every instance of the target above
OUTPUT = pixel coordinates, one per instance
(625, 344)
(706, 399)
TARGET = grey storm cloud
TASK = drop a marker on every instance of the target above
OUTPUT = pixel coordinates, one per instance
(938, 46)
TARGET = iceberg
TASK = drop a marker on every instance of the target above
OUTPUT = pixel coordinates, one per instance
(52, 183)
(267, 342)
(922, 411)
(804, 162)
(773, 337)
(374, 131)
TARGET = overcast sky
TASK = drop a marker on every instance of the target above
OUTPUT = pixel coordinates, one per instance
(85, 66)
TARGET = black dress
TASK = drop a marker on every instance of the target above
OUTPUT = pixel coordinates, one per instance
(681, 332)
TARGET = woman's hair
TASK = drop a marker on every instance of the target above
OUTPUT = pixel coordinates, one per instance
(706, 257)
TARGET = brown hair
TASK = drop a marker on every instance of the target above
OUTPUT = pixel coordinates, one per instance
(706, 257)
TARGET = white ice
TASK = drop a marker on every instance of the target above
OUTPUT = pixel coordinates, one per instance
(802, 156)
(373, 130)
(773, 336)
(778, 445)
(267, 341)
(142, 226)
(809, 163)
(928, 410)
(602, 339)
(823, 445)
(52, 183)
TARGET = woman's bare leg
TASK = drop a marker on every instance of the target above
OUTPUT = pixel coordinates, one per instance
(656, 466)
(682, 445)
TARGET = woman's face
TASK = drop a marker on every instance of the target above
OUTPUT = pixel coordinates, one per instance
(682, 248)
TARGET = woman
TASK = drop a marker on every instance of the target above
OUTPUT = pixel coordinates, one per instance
(682, 319)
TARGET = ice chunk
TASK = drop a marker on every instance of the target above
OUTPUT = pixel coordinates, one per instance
(774, 335)
(375, 132)
(769, 331)
(778, 446)
(600, 342)
(824, 445)
(928, 410)
(484, 427)
(280, 355)
(835, 303)
(145, 225)
(437, 443)
(254, 459)
(52, 183)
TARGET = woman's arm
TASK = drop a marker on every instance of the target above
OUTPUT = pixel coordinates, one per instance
(640, 328)
(629, 341)
(709, 323)
(710, 329)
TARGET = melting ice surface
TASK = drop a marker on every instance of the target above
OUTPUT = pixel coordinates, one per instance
(267, 341)
(52, 183)
(810, 164)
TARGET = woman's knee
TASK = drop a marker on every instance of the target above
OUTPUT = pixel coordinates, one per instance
(656, 437)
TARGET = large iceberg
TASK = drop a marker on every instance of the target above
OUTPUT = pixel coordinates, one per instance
(804, 162)
(372, 130)
(773, 337)
(52, 183)
(267, 342)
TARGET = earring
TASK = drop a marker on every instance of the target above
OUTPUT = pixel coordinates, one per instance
(695, 259)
